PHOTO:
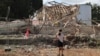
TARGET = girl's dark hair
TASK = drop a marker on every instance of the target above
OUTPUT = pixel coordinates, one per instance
(60, 30)
(59, 34)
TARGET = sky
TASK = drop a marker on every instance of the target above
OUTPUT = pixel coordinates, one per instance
(75, 1)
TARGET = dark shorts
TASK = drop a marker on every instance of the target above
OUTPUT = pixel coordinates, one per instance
(59, 43)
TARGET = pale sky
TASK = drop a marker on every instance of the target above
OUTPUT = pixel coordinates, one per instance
(75, 1)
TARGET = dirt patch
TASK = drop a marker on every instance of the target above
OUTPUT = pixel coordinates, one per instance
(72, 52)
(52, 52)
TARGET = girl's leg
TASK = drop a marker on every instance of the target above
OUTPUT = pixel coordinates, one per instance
(62, 51)
(59, 52)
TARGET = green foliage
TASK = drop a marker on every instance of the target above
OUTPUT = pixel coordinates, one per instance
(96, 12)
(19, 8)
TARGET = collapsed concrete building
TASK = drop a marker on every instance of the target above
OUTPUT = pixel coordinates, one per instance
(59, 12)
(60, 15)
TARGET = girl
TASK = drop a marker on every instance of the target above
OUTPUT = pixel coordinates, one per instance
(60, 40)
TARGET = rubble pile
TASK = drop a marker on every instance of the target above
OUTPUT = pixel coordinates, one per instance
(58, 13)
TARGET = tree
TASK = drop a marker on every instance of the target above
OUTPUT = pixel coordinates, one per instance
(19, 8)
(96, 12)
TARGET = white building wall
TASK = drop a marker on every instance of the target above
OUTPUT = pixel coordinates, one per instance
(84, 15)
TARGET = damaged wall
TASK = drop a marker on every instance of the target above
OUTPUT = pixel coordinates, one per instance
(84, 15)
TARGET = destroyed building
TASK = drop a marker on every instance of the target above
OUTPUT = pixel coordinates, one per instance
(57, 13)
(74, 17)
